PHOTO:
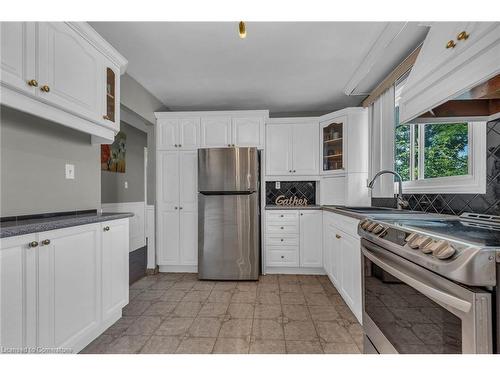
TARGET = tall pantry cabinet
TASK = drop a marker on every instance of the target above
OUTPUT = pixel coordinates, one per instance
(179, 135)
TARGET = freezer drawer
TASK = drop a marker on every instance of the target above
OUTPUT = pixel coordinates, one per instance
(228, 237)
(227, 169)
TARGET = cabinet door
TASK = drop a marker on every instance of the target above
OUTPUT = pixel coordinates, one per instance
(332, 146)
(17, 60)
(168, 237)
(115, 266)
(72, 69)
(188, 180)
(305, 149)
(216, 132)
(189, 133)
(327, 241)
(69, 284)
(278, 150)
(248, 131)
(18, 292)
(168, 177)
(168, 134)
(188, 238)
(311, 251)
(336, 258)
(351, 275)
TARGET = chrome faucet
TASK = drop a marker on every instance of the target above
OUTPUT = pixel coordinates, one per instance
(401, 203)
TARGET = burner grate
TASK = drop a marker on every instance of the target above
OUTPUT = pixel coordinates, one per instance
(490, 220)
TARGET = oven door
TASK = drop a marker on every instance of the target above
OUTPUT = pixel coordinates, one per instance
(409, 309)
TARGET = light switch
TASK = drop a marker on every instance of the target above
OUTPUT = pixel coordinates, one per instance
(70, 172)
(126, 184)
(277, 185)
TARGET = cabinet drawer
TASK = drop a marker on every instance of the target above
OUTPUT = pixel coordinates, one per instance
(282, 216)
(282, 257)
(282, 228)
(286, 240)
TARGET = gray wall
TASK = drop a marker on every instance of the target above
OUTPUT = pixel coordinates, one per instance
(33, 157)
(113, 183)
(137, 108)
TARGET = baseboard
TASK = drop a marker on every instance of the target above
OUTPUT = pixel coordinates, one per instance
(187, 269)
(295, 270)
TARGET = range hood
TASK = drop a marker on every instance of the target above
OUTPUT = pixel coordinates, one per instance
(480, 103)
(456, 75)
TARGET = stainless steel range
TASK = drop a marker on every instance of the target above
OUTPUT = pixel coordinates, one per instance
(430, 283)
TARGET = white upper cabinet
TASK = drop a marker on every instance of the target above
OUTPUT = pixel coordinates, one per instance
(278, 150)
(305, 148)
(216, 131)
(178, 133)
(292, 147)
(70, 72)
(17, 57)
(248, 131)
(64, 72)
(455, 57)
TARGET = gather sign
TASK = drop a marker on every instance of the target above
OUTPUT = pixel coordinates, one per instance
(281, 200)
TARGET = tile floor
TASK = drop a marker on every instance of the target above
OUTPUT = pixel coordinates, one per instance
(177, 313)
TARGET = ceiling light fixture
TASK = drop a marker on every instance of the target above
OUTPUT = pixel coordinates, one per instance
(243, 30)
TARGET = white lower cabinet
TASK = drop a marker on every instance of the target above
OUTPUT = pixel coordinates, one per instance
(63, 288)
(293, 239)
(342, 257)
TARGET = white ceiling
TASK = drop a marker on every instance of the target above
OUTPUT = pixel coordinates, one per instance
(286, 67)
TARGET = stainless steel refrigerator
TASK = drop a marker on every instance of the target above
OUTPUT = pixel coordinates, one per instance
(228, 214)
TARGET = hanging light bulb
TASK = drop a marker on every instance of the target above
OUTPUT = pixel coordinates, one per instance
(243, 30)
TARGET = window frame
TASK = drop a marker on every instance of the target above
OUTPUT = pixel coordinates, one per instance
(473, 182)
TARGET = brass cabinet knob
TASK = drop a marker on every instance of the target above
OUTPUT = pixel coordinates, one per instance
(282, 257)
(179, 145)
(462, 36)
(106, 228)
(33, 244)
(45, 88)
(294, 171)
(282, 240)
(229, 145)
(450, 44)
(105, 117)
(234, 145)
(180, 208)
(282, 228)
(175, 208)
(338, 236)
(46, 242)
(33, 83)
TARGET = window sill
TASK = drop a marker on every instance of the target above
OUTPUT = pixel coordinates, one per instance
(458, 185)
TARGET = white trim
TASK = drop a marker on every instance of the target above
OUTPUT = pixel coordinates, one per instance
(189, 269)
(376, 52)
(137, 232)
(295, 271)
(150, 234)
(99, 43)
(292, 120)
(475, 182)
(252, 113)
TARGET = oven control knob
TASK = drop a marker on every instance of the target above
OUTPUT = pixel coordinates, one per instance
(365, 224)
(434, 246)
(419, 242)
(444, 253)
(379, 228)
(411, 237)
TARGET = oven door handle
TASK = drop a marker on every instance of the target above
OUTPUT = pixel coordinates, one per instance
(399, 269)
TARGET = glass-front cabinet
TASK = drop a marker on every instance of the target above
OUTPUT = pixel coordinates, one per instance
(332, 146)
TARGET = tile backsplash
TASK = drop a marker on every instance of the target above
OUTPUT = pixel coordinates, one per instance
(456, 204)
(290, 189)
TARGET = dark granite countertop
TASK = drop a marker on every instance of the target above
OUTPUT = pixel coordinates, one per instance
(26, 226)
(311, 207)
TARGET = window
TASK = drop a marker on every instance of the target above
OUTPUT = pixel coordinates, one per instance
(439, 157)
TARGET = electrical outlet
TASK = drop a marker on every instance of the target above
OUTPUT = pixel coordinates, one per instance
(126, 184)
(277, 185)
(70, 171)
